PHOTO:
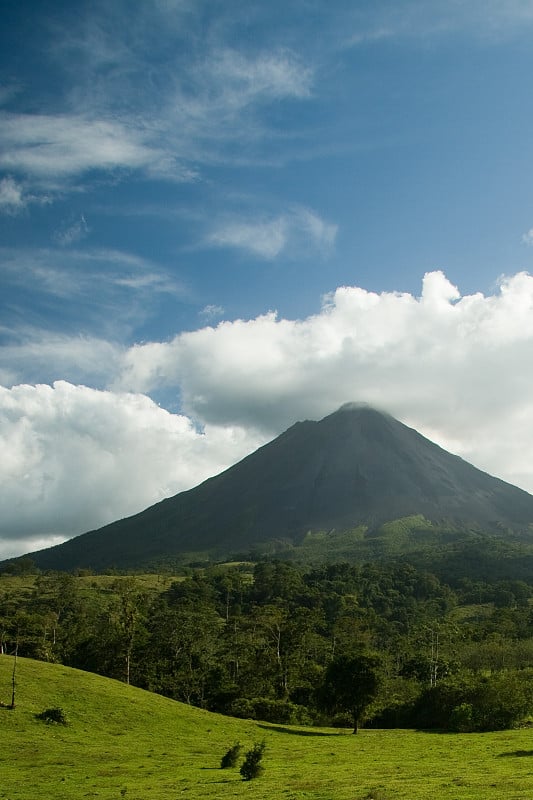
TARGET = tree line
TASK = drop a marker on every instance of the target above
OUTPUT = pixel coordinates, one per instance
(387, 644)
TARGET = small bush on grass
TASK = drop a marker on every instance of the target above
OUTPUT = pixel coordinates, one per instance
(230, 758)
(53, 716)
(251, 766)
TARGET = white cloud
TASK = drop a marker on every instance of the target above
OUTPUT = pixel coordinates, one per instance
(68, 145)
(457, 368)
(112, 120)
(74, 458)
(212, 311)
(35, 355)
(14, 198)
(11, 200)
(489, 20)
(297, 230)
(76, 273)
(242, 80)
(527, 238)
(265, 239)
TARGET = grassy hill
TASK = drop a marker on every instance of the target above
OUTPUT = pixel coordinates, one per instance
(124, 742)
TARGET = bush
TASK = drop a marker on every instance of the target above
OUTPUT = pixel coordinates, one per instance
(252, 767)
(242, 708)
(375, 794)
(53, 716)
(230, 758)
(477, 703)
(462, 718)
(280, 712)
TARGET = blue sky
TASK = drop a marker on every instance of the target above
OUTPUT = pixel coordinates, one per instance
(217, 218)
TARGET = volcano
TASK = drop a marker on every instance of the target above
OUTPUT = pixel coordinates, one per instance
(356, 467)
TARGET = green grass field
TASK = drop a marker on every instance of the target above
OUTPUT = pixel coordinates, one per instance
(122, 742)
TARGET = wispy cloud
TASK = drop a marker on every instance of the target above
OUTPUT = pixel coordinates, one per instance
(70, 274)
(31, 355)
(72, 232)
(238, 81)
(11, 196)
(297, 229)
(14, 198)
(264, 238)
(124, 109)
(527, 238)
(98, 292)
(211, 312)
(489, 20)
(66, 145)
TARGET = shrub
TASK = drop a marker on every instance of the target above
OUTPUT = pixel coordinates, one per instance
(242, 708)
(375, 794)
(471, 702)
(462, 718)
(281, 712)
(230, 758)
(53, 716)
(252, 767)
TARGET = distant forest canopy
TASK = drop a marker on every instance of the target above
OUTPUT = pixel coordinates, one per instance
(388, 645)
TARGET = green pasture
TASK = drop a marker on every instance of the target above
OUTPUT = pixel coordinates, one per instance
(122, 742)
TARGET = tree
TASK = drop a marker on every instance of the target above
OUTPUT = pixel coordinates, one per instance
(131, 602)
(350, 685)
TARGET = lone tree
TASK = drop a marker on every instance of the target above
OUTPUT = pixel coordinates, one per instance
(350, 684)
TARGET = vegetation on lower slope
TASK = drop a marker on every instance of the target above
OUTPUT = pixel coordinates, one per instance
(123, 742)
(256, 641)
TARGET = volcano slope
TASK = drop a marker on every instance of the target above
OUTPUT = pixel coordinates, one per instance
(356, 467)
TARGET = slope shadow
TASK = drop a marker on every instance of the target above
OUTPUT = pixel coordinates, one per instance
(517, 754)
(283, 729)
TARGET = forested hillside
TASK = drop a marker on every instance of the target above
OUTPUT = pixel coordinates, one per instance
(261, 640)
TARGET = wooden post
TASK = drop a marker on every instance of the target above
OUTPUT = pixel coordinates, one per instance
(14, 678)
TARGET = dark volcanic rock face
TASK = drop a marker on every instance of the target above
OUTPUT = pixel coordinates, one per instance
(356, 466)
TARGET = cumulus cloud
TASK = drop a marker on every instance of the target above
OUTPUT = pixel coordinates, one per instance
(456, 368)
(74, 458)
